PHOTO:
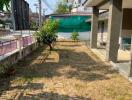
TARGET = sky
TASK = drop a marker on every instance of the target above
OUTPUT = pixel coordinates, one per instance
(52, 4)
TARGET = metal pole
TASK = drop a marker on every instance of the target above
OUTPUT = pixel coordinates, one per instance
(29, 25)
(36, 5)
(36, 16)
(44, 14)
(21, 37)
(40, 7)
(21, 41)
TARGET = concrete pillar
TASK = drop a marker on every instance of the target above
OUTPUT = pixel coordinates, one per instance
(114, 30)
(19, 46)
(94, 28)
(130, 70)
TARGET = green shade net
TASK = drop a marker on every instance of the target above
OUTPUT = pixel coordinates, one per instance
(74, 23)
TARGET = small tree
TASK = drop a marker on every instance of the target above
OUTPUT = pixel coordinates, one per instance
(47, 33)
(74, 36)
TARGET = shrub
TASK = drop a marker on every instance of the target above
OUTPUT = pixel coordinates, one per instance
(74, 36)
(47, 33)
(7, 70)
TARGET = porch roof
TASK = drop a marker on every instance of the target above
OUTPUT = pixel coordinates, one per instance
(104, 4)
(103, 16)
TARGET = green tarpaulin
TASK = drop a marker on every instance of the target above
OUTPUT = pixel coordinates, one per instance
(74, 23)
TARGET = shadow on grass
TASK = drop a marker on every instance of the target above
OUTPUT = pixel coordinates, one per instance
(71, 64)
(51, 96)
(75, 45)
(5, 82)
(40, 54)
(29, 86)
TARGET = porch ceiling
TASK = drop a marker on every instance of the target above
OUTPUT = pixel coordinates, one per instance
(90, 3)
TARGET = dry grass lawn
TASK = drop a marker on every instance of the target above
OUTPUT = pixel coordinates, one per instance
(70, 72)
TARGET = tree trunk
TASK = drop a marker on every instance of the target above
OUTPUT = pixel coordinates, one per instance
(50, 45)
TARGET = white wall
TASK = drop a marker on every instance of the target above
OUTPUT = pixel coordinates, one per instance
(82, 35)
(82, 9)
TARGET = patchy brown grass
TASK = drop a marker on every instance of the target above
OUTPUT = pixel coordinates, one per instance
(70, 72)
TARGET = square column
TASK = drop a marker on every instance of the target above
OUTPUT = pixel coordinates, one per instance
(94, 28)
(114, 30)
(19, 38)
(130, 70)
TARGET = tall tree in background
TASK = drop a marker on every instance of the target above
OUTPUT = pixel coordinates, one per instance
(63, 8)
(4, 3)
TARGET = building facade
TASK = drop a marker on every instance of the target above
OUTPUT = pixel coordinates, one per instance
(78, 7)
(119, 24)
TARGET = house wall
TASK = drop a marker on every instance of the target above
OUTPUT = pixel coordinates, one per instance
(69, 1)
(82, 9)
(101, 26)
(126, 26)
(78, 7)
(83, 36)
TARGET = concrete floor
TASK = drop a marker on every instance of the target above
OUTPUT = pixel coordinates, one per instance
(123, 56)
(122, 65)
(124, 68)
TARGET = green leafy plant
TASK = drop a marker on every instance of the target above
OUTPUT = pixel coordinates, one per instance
(74, 36)
(47, 33)
(2, 69)
(7, 70)
(33, 25)
(4, 3)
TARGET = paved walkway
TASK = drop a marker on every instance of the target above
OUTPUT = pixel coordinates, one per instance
(123, 64)
(70, 72)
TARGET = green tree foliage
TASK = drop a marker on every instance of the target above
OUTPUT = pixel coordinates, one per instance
(2, 22)
(74, 36)
(47, 33)
(62, 8)
(33, 25)
(4, 3)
